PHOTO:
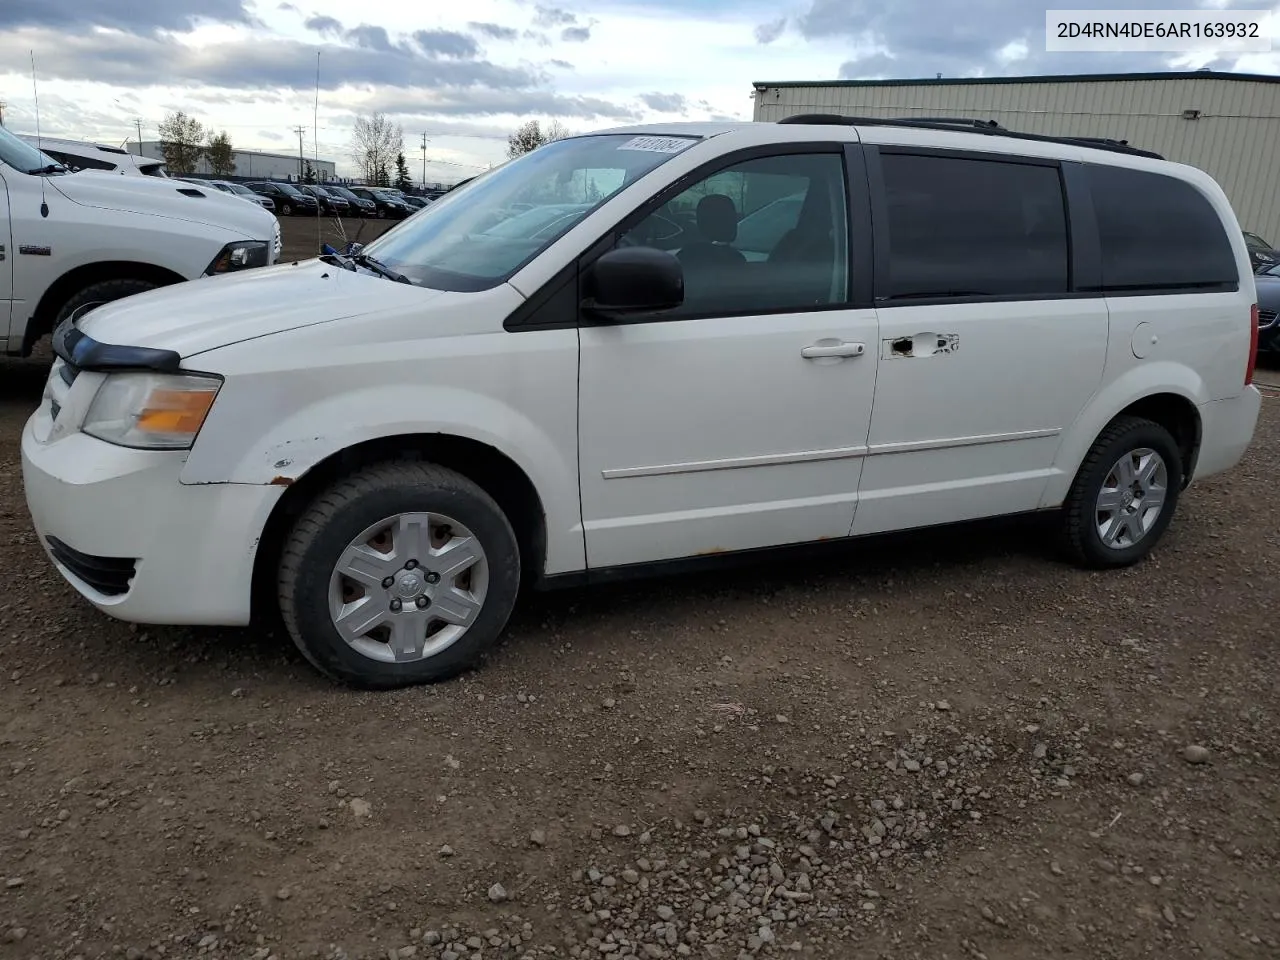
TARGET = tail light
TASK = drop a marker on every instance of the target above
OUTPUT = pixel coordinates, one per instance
(1253, 345)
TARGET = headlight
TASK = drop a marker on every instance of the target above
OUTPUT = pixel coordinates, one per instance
(151, 411)
(240, 255)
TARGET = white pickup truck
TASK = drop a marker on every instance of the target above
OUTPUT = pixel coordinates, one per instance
(73, 240)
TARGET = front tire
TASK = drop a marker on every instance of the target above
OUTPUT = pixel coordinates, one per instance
(99, 293)
(286, 209)
(402, 573)
(1124, 495)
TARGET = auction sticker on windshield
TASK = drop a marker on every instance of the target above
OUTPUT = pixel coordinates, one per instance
(658, 144)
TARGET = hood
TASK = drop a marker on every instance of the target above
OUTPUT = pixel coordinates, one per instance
(162, 197)
(213, 312)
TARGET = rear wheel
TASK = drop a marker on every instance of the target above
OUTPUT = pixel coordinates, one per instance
(1124, 496)
(402, 573)
(286, 209)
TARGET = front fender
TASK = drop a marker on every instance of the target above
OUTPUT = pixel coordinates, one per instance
(1137, 383)
(289, 448)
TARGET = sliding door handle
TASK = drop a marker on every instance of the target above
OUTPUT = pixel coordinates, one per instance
(833, 348)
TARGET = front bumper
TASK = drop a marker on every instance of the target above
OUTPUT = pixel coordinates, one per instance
(1268, 331)
(134, 541)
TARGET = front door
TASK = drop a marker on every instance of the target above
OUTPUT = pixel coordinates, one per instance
(986, 353)
(740, 419)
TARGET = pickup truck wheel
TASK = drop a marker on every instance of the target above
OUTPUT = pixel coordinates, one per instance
(402, 573)
(99, 293)
(1124, 494)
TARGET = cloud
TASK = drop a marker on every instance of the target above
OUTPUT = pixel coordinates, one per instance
(562, 64)
(494, 31)
(446, 43)
(407, 78)
(126, 60)
(766, 33)
(552, 17)
(665, 102)
(480, 102)
(535, 36)
(907, 38)
(270, 135)
(374, 38)
(128, 15)
(325, 26)
(575, 34)
(287, 6)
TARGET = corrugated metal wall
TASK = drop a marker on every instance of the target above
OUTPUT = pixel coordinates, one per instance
(1236, 140)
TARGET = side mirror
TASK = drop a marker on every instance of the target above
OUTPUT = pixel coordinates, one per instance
(630, 280)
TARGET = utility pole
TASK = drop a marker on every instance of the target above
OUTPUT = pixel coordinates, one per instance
(424, 161)
(300, 131)
(2, 106)
(138, 122)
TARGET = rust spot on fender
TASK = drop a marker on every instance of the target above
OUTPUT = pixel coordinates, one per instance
(281, 481)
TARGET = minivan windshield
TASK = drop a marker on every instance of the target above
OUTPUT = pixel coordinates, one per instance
(23, 157)
(476, 238)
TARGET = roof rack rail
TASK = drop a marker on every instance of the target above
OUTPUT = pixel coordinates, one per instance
(956, 121)
(1096, 143)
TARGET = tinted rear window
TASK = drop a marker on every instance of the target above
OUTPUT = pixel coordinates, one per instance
(961, 227)
(1158, 233)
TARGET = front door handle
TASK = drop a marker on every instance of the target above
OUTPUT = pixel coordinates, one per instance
(833, 348)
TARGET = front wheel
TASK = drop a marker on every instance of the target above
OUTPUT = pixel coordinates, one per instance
(1124, 495)
(402, 573)
(286, 210)
(99, 293)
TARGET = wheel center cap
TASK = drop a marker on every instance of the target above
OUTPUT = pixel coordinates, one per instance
(409, 584)
(1128, 498)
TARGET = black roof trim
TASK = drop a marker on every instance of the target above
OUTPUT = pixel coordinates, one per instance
(1041, 78)
(962, 125)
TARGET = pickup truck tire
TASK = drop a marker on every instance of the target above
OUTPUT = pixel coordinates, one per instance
(401, 573)
(102, 292)
(1124, 495)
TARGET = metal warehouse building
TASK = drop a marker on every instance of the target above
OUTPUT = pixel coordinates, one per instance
(251, 164)
(1227, 124)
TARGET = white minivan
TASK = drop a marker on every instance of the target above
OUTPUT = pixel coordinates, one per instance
(922, 324)
(70, 241)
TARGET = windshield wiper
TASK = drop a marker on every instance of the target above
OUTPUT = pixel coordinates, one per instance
(47, 169)
(364, 260)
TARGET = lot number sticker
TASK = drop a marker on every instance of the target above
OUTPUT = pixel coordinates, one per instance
(657, 144)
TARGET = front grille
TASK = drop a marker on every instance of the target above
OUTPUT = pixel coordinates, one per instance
(107, 575)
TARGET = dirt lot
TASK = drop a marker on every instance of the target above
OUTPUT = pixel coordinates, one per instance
(303, 236)
(940, 746)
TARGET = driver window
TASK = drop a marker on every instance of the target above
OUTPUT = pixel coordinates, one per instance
(764, 235)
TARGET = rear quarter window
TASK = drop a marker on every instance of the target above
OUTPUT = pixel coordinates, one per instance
(1158, 234)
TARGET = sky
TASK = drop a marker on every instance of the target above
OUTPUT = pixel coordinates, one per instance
(466, 74)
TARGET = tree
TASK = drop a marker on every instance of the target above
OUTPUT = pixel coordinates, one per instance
(531, 135)
(381, 176)
(404, 182)
(375, 142)
(181, 142)
(309, 174)
(221, 155)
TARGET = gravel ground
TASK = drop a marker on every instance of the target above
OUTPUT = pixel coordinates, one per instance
(945, 745)
(303, 236)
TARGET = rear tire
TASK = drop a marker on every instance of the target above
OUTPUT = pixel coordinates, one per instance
(286, 209)
(1110, 517)
(102, 292)
(396, 526)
